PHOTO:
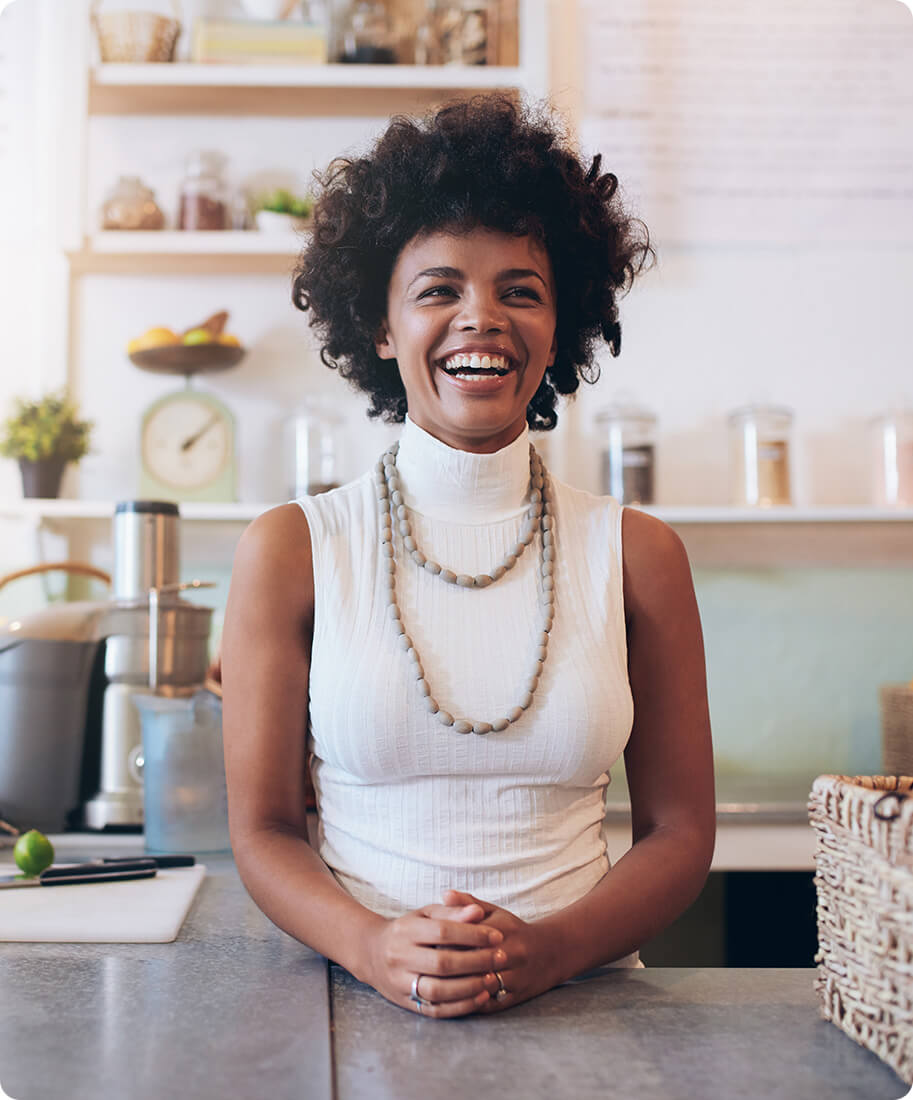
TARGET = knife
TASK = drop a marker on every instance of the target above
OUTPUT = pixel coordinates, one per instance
(83, 872)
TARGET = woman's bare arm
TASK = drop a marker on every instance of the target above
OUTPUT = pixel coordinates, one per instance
(266, 644)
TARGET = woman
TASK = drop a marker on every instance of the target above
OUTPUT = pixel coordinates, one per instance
(462, 645)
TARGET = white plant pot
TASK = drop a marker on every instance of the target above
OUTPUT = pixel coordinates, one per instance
(263, 9)
(268, 221)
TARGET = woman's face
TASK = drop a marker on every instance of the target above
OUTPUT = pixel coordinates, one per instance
(471, 323)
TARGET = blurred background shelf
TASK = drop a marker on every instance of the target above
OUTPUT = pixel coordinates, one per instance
(172, 251)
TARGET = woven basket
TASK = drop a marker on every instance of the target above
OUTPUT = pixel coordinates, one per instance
(897, 728)
(135, 36)
(864, 879)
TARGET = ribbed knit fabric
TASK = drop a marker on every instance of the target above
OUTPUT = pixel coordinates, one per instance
(409, 807)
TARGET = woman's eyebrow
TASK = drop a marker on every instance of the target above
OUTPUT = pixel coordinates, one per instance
(439, 273)
(455, 273)
(521, 273)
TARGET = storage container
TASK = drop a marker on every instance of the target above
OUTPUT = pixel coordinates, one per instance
(864, 881)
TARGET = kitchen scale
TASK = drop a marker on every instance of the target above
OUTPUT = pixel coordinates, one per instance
(187, 437)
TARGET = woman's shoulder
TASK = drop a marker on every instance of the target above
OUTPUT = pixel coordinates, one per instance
(655, 562)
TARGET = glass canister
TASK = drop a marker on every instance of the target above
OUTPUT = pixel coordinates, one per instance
(892, 438)
(760, 438)
(367, 34)
(204, 197)
(311, 452)
(131, 205)
(629, 453)
(466, 32)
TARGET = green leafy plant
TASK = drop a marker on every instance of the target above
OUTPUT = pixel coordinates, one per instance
(49, 428)
(282, 201)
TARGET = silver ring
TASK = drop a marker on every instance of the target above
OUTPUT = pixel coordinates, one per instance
(503, 991)
(415, 996)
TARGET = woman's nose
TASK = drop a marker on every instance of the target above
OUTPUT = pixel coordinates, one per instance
(481, 314)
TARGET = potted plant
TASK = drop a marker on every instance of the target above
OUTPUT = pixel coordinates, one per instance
(281, 211)
(44, 436)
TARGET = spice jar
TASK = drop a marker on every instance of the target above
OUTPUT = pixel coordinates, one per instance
(628, 456)
(130, 205)
(760, 447)
(892, 438)
(465, 32)
(311, 453)
(367, 34)
(204, 198)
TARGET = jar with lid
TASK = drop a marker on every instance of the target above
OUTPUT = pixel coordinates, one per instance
(367, 34)
(761, 456)
(311, 451)
(892, 439)
(466, 32)
(628, 455)
(204, 196)
(131, 205)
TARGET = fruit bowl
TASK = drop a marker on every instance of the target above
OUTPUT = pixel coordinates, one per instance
(188, 358)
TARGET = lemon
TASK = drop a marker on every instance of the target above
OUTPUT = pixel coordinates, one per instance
(33, 852)
(158, 337)
(229, 340)
(197, 336)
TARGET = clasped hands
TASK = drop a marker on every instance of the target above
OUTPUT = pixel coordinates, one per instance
(459, 949)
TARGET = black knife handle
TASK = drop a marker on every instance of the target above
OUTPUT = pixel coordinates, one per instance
(100, 870)
(71, 879)
(159, 861)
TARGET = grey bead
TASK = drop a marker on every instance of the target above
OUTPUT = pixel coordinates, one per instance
(547, 584)
(430, 704)
(432, 567)
(448, 575)
(379, 465)
(537, 481)
(445, 717)
(401, 511)
(423, 687)
(418, 671)
(482, 580)
(536, 495)
(385, 520)
(387, 549)
(393, 611)
(389, 564)
(547, 569)
(392, 482)
(462, 726)
(405, 641)
(547, 522)
(482, 727)
(382, 492)
(546, 537)
(527, 700)
(541, 652)
(413, 655)
(465, 581)
(531, 684)
(501, 724)
(404, 529)
(409, 543)
(386, 535)
(396, 496)
(510, 560)
(548, 554)
(514, 713)
(498, 572)
(418, 557)
(527, 536)
(543, 638)
(398, 627)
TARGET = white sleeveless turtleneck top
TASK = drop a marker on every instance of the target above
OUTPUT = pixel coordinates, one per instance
(408, 807)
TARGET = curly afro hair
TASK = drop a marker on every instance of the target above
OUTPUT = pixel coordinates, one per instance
(481, 162)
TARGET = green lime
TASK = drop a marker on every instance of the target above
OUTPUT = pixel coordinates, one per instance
(33, 852)
(197, 336)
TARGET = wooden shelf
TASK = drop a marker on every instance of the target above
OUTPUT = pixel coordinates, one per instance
(184, 88)
(175, 252)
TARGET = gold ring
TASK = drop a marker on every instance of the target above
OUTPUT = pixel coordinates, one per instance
(503, 991)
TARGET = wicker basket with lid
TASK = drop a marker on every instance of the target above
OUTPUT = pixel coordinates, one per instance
(136, 36)
(864, 880)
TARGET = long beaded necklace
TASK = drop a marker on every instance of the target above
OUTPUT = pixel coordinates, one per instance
(392, 510)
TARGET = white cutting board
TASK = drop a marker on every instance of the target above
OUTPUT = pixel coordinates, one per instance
(147, 910)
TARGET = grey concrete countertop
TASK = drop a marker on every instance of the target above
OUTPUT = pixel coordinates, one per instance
(235, 1008)
(654, 1034)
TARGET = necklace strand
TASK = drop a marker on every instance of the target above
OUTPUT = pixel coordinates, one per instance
(392, 510)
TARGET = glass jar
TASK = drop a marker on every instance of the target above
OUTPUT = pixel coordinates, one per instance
(311, 452)
(892, 439)
(131, 205)
(760, 448)
(628, 457)
(204, 197)
(465, 32)
(367, 34)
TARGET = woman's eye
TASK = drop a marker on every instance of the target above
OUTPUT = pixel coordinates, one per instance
(524, 292)
(437, 291)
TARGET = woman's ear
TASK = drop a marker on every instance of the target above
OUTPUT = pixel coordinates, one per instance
(383, 342)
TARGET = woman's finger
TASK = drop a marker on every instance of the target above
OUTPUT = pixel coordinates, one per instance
(430, 932)
(449, 1009)
(460, 898)
(465, 913)
(448, 990)
(444, 963)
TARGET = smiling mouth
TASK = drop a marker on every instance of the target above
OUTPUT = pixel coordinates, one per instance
(471, 367)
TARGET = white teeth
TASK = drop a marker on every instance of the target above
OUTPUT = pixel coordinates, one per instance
(476, 362)
(485, 362)
(472, 377)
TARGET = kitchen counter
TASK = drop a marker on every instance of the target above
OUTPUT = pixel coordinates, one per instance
(234, 1007)
(740, 799)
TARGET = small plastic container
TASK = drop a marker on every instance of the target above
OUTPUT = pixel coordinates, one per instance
(311, 452)
(131, 206)
(892, 444)
(204, 202)
(185, 799)
(629, 453)
(761, 456)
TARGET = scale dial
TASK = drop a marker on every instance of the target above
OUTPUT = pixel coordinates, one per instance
(187, 447)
